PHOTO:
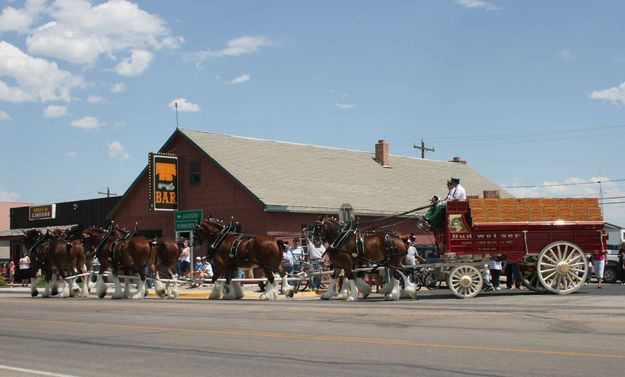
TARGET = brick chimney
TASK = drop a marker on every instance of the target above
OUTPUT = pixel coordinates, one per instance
(458, 160)
(381, 153)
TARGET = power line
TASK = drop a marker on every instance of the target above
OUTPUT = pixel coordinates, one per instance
(503, 139)
(566, 184)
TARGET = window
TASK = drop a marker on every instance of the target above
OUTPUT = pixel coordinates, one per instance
(194, 173)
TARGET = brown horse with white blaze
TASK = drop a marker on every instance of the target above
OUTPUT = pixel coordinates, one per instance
(350, 249)
(231, 250)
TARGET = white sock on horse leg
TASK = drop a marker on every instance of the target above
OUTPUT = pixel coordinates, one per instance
(344, 293)
(331, 291)
(364, 289)
(353, 291)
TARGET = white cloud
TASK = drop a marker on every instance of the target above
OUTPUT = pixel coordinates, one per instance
(80, 32)
(95, 99)
(613, 94)
(116, 150)
(71, 154)
(118, 87)
(8, 196)
(244, 45)
(344, 105)
(566, 54)
(54, 111)
(86, 123)
(488, 5)
(138, 62)
(240, 79)
(4, 115)
(183, 105)
(20, 20)
(36, 79)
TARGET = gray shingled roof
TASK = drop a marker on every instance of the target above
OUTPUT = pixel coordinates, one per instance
(295, 177)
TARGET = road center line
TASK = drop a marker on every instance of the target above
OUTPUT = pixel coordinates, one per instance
(325, 338)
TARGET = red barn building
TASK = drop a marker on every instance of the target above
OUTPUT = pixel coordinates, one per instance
(277, 187)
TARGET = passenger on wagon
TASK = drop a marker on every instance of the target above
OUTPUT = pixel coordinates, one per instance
(456, 191)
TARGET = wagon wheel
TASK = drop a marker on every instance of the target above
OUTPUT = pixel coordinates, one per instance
(562, 267)
(465, 281)
(529, 277)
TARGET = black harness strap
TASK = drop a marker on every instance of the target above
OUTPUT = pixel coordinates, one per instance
(221, 236)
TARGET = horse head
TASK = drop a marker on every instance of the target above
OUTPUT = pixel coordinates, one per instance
(207, 230)
(326, 229)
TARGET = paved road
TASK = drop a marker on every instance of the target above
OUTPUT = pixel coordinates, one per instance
(501, 334)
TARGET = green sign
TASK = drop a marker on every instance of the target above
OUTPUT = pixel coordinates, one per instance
(185, 221)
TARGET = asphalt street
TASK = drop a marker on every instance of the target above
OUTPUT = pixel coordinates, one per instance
(507, 333)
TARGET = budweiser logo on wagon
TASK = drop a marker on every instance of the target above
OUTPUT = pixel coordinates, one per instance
(163, 182)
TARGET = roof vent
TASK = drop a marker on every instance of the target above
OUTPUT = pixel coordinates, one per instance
(458, 160)
(381, 153)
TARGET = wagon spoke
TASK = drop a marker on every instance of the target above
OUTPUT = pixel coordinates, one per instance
(551, 260)
(549, 276)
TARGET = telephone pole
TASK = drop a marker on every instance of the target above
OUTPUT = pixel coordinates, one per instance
(107, 193)
(423, 148)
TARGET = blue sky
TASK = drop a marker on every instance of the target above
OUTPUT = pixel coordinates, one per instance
(530, 93)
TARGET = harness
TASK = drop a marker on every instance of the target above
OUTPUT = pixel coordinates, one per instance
(222, 236)
(234, 248)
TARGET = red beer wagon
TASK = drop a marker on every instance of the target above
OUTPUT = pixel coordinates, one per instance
(550, 238)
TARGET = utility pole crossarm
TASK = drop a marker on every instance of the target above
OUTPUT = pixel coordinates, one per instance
(107, 193)
(423, 148)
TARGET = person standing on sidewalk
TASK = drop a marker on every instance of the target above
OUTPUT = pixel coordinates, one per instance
(11, 273)
(598, 262)
(315, 252)
(621, 263)
(494, 266)
(24, 269)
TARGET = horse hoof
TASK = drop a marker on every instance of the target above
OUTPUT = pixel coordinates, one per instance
(34, 293)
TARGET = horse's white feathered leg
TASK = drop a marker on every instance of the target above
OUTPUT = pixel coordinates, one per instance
(344, 292)
(66, 290)
(118, 294)
(271, 291)
(331, 291)
(353, 290)
(140, 293)
(159, 288)
(287, 289)
(238, 292)
(33, 287)
(46, 288)
(410, 288)
(100, 286)
(175, 290)
(394, 294)
(216, 291)
(363, 288)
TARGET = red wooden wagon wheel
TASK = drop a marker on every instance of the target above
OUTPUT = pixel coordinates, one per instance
(562, 267)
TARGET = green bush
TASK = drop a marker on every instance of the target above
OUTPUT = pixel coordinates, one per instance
(3, 282)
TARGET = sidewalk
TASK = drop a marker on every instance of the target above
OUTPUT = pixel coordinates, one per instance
(250, 291)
